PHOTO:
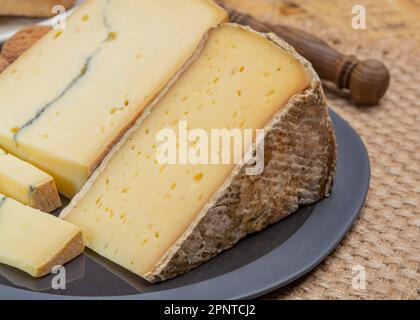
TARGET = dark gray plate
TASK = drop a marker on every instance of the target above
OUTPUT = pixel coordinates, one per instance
(257, 265)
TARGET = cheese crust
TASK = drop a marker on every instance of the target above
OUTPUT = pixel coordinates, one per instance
(32, 8)
(45, 197)
(22, 41)
(3, 63)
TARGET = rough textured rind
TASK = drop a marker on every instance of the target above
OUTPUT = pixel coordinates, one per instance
(45, 197)
(300, 162)
(3, 63)
(32, 8)
(22, 41)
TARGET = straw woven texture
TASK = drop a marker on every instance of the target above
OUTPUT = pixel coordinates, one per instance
(386, 239)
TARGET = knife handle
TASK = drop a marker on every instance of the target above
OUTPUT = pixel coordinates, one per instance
(366, 80)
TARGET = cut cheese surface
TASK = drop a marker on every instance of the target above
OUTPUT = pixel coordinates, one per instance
(27, 184)
(72, 95)
(33, 241)
(137, 208)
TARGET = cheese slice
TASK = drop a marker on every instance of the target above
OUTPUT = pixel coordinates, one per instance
(27, 184)
(71, 96)
(33, 241)
(139, 212)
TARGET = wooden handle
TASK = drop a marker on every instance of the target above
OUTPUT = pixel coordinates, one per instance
(367, 80)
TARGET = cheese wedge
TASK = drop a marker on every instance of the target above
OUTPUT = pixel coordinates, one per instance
(32, 8)
(27, 184)
(73, 94)
(162, 220)
(33, 241)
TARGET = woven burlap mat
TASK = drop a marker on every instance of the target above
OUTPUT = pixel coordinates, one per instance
(385, 241)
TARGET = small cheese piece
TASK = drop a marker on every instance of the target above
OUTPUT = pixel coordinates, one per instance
(32, 8)
(72, 95)
(27, 184)
(33, 241)
(162, 220)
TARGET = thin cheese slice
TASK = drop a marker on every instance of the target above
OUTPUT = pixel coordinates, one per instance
(33, 241)
(71, 96)
(137, 208)
(27, 184)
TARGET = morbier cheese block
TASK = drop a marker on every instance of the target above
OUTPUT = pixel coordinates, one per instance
(27, 184)
(71, 96)
(160, 221)
(32, 8)
(33, 241)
